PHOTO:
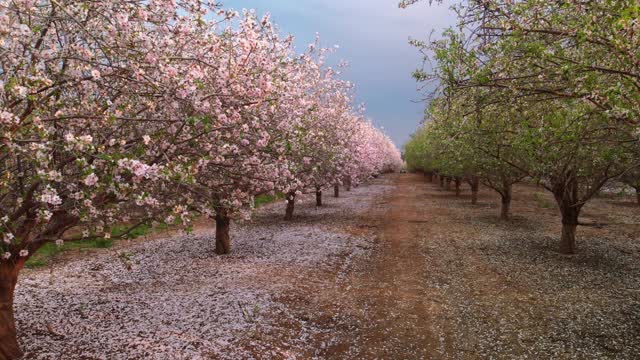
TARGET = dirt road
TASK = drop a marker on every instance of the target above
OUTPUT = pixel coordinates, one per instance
(449, 280)
(405, 314)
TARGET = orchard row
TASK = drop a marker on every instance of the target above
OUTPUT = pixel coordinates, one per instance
(139, 111)
(547, 91)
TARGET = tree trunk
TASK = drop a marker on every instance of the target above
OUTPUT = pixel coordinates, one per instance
(448, 184)
(336, 190)
(291, 202)
(430, 177)
(318, 196)
(441, 180)
(9, 348)
(457, 182)
(638, 195)
(565, 191)
(570, 216)
(505, 208)
(505, 197)
(347, 184)
(223, 240)
(568, 240)
(475, 186)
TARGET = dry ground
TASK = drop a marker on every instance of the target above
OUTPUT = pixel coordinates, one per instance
(398, 269)
(449, 280)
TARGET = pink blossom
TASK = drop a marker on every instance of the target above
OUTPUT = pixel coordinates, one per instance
(91, 179)
(8, 238)
(50, 196)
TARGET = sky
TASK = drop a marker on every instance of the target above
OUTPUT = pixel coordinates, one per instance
(372, 36)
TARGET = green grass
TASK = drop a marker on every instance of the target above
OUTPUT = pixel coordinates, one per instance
(266, 199)
(49, 250)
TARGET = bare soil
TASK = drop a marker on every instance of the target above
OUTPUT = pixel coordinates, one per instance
(397, 269)
(450, 280)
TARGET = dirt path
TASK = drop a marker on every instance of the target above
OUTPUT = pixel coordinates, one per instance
(449, 280)
(380, 307)
(406, 312)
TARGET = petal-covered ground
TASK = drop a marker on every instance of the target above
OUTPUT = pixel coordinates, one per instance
(397, 269)
(175, 299)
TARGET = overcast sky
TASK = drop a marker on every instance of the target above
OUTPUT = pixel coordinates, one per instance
(373, 38)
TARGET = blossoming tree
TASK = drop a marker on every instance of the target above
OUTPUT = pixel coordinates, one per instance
(91, 119)
(127, 112)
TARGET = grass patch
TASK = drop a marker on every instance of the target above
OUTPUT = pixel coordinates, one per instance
(542, 202)
(48, 251)
(264, 199)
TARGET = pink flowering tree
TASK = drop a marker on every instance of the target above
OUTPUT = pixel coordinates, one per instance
(242, 82)
(369, 152)
(91, 117)
(332, 143)
(318, 140)
(336, 144)
(328, 138)
(126, 112)
(373, 153)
